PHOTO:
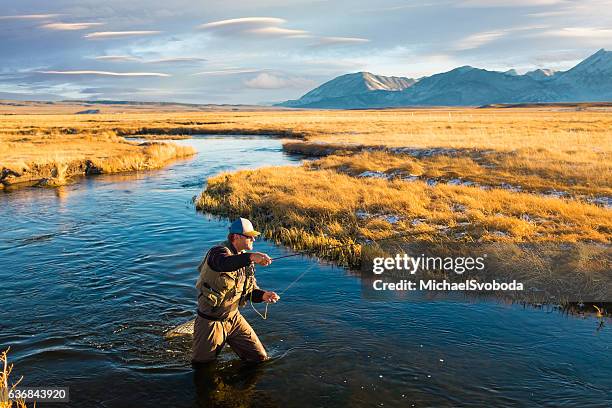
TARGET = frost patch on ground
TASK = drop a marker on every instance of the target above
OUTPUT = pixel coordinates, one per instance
(458, 207)
(390, 218)
(556, 194)
(601, 201)
(375, 174)
(510, 187)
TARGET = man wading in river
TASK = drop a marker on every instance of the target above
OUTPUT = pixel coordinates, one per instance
(227, 281)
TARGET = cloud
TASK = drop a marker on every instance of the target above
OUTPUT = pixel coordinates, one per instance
(578, 33)
(394, 8)
(259, 26)
(279, 32)
(508, 3)
(241, 24)
(478, 39)
(270, 81)
(227, 72)
(106, 73)
(129, 58)
(329, 41)
(176, 60)
(116, 58)
(118, 34)
(69, 26)
(29, 17)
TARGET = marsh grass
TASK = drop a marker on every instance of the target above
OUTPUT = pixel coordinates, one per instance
(526, 171)
(310, 209)
(52, 158)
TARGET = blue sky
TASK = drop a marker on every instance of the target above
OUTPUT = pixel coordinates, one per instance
(266, 51)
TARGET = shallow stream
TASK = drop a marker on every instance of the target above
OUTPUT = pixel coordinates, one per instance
(92, 275)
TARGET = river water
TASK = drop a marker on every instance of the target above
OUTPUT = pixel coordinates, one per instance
(94, 273)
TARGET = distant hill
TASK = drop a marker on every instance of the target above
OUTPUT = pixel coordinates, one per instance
(359, 83)
(589, 81)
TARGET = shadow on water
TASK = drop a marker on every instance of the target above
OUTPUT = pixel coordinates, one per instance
(231, 385)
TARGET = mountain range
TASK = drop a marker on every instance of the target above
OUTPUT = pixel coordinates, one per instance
(589, 81)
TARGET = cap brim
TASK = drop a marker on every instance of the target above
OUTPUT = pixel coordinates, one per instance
(251, 233)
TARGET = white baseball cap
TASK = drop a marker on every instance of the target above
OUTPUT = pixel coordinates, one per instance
(243, 226)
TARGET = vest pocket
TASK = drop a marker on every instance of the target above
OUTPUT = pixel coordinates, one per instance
(212, 296)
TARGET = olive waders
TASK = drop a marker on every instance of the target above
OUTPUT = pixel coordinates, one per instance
(219, 321)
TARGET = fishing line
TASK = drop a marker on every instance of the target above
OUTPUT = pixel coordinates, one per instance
(265, 315)
(298, 253)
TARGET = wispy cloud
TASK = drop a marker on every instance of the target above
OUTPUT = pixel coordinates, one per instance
(509, 3)
(29, 17)
(70, 26)
(106, 73)
(578, 32)
(270, 81)
(231, 71)
(176, 60)
(258, 26)
(340, 40)
(170, 60)
(394, 8)
(117, 58)
(279, 32)
(244, 23)
(478, 39)
(118, 34)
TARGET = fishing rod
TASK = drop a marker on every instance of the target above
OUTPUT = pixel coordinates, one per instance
(298, 253)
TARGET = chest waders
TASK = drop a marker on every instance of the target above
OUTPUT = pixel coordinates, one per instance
(220, 295)
(224, 292)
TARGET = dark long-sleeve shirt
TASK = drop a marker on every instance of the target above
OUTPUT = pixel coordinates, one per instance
(221, 259)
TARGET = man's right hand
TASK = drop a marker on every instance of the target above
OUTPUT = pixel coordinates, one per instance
(260, 258)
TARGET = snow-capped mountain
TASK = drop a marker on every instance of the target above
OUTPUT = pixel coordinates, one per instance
(590, 80)
(541, 74)
(351, 85)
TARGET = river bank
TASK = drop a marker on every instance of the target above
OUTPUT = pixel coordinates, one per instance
(50, 158)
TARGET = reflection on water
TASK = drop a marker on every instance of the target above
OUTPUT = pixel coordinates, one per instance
(94, 273)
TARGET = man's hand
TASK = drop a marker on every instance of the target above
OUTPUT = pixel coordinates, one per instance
(260, 258)
(270, 297)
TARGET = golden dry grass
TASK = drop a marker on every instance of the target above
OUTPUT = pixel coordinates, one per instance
(541, 148)
(513, 170)
(324, 208)
(570, 132)
(52, 157)
(6, 386)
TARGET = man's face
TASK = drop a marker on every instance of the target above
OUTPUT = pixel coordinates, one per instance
(243, 242)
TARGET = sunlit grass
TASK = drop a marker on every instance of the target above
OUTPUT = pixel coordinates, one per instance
(51, 157)
(6, 385)
(310, 209)
(531, 171)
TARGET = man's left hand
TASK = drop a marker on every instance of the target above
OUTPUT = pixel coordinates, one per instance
(270, 297)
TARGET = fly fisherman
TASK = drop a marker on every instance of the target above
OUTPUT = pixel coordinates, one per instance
(227, 281)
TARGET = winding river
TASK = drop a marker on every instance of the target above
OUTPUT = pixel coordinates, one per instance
(92, 274)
